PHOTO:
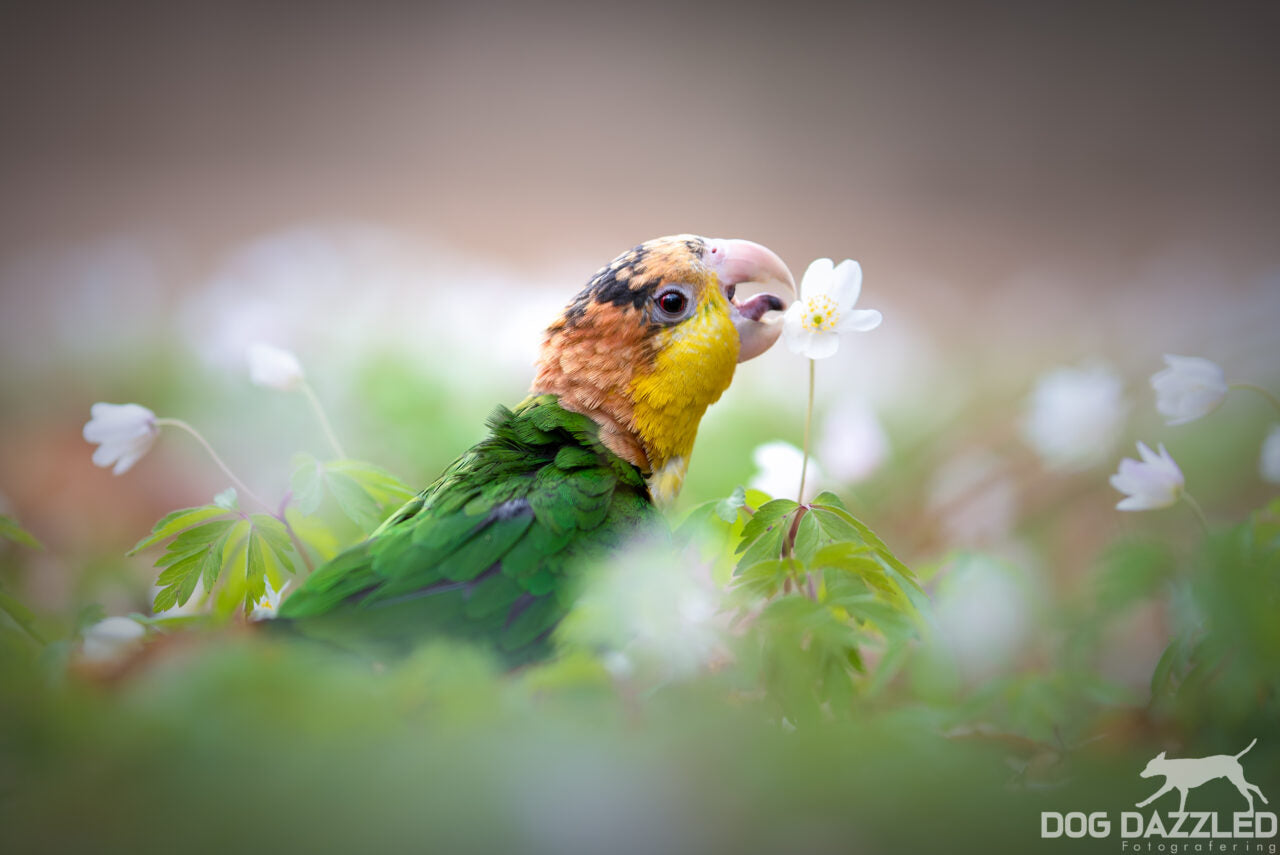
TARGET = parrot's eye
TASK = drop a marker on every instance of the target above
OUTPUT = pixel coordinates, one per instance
(672, 304)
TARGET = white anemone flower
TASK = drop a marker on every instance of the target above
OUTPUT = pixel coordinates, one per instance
(1154, 483)
(1075, 415)
(124, 433)
(112, 639)
(1269, 465)
(266, 608)
(828, 293)
(778, 469)
(1189, 388)
(274, 367)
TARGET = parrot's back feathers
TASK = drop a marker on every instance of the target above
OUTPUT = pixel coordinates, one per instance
(491, 549)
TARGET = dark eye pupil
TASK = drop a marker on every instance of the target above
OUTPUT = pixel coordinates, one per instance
(671, 302)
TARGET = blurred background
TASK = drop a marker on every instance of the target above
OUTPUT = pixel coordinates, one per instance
(405, 194)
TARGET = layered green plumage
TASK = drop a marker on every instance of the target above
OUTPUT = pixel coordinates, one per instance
(491, 550)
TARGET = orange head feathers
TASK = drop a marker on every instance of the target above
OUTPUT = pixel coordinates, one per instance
(652, 341)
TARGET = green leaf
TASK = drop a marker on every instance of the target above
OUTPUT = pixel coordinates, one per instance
(174, 522)
(385, 488)
(807, 534)
(763, 579)
(1132, 572)
(88, 616)
(21, 615)
(356, 503)
(307, 483)
(10, 530)
(727, 509)
(764, 520)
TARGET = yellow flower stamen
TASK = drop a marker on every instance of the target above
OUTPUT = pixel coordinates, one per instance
(820, 315)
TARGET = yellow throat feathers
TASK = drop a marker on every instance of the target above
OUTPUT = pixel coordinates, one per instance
(692, 366)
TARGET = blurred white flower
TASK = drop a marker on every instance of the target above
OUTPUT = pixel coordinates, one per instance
(778, 470)
(111, 639)
(984, 613)
(1269, 465)
(266, 608)
(1075, 416)
(828, 293)
(647, 614)
(1156, 482)
(124, 432)
(853, 443)
(274, 367)
(1189, 388)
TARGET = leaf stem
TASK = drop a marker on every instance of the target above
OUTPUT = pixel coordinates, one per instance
(1195, 508)
(226, 470)
(808, 423)
(1253, 387)
(324, 419)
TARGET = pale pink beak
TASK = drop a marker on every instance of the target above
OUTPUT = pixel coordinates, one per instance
(758, 319)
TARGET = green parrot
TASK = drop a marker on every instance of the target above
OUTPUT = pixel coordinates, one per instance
(489, 552)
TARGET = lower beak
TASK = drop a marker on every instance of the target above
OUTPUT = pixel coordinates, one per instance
(758, 318)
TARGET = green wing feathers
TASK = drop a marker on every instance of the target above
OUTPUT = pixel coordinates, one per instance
(488, 552)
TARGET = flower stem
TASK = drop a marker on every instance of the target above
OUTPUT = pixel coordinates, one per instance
(808, 423)
(1195, 508)
(324, 420)
(1253, 387)
(293, 535)
(240, 485)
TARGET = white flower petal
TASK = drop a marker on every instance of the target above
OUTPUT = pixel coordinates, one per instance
(817, 278)
(125, 432)
(859, 320)
(846, 285)
(1269, 465)
(274, 367)
(1156, 482)
(798, 339)
(1191, 387)
(111, 639)
(822, 345)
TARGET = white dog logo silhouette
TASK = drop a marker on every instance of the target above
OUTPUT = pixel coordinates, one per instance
(1190, 772)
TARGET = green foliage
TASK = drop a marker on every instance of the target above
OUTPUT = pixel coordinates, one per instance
(366, 494)
(214, 543)
(10, 530)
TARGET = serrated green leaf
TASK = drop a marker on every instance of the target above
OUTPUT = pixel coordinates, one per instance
(180, 569)
(10, 530)
(764, 519)
(806, 541)
(273, 531)
(174, 522)
(763, 579)
(212, 562)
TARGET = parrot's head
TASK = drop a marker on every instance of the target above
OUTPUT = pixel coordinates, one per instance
(653, 339)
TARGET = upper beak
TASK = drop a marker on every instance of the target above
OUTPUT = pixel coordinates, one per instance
(758, 319)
